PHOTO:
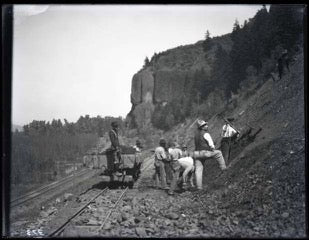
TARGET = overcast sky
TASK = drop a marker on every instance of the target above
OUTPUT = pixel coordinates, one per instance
(72, 60)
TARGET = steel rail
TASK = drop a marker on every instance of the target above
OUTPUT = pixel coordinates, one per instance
(49, 185)
(62, 227)
(110, 211)
(148, 163)
(44, 189)
(46, 186)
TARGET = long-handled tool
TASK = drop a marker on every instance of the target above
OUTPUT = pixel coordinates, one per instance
(231, 125)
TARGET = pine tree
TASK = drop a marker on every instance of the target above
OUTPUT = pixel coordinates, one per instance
(146, 62)
(207, 43)
(236, 26)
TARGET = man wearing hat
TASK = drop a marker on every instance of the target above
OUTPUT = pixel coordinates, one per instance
(286, 59)
(138, 146)
(113, 136)
(204, 149)
(185, 152)
(161, 155)
(115, 147)
(283, 60)
(138, 158)
(228, 133)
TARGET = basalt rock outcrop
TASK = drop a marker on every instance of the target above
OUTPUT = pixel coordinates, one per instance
(167, 76)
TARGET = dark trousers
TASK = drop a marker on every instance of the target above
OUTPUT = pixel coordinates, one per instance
(160, 175)
(226, 149)
(280, 70)
(113, 160)
(175, 167)
(168, 171)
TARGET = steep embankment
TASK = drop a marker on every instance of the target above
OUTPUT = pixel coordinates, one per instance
(266, 175)
(263, 190)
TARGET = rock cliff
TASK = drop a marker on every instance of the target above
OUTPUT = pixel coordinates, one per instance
(166, 79)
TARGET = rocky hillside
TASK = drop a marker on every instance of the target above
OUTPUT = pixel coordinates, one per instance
(262, 193)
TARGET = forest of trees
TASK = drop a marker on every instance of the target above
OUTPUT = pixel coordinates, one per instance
(256, 45)
(95, 125)
(43, 145)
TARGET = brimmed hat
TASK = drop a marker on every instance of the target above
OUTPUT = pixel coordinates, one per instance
(172, 144)
(201, 123)
(114, 124)
(162, 142)
(138, 143)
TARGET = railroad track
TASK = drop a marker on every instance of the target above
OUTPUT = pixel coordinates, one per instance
(47, 188)
(59, 231)
(148, 163)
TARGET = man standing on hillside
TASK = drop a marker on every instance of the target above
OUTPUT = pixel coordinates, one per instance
(280, 67)
(204, 148)
(286, 59)
(283, 60)
(228, 133)
(161, 155)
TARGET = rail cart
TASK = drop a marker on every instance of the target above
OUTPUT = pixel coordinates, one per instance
(123, 172)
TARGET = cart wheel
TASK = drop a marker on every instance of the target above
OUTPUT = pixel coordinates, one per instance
(135, 177)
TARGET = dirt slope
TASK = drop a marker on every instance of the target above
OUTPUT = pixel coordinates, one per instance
(265, 182)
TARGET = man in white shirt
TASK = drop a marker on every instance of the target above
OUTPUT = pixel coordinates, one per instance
(187, 165)
(180, 163)
(204, 148)
(161, 155)
(138, 158)
(228, 133)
